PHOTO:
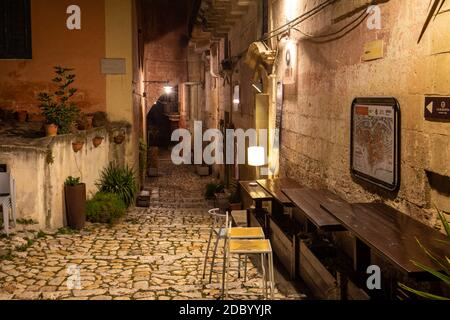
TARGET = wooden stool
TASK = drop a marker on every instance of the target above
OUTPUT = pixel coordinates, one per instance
(262, 248)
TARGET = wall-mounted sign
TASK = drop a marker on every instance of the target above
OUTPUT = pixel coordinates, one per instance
(290, 62)
(114, 66)
(437, 108)
(375, 144)
(73, 22)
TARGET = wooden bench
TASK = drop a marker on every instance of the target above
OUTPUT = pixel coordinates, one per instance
(309, 201)
(391, 235)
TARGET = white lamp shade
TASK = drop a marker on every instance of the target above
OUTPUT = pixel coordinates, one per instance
(256, 156)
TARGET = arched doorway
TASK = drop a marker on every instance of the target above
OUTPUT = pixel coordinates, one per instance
(159, 124)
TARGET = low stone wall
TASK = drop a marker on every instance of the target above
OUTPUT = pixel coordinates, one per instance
(41, 166)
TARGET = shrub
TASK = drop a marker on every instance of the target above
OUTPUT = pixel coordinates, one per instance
(105, 208)
(212, 189)
(120, 181)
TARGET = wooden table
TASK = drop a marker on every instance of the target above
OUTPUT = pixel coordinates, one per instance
(391, 234)
(275, 187)
(257, 193)
(309, 202)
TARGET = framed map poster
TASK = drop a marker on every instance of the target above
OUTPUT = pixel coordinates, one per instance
(375, 141)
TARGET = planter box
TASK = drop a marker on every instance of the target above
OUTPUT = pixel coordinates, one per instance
(284, 246)
(318, 279)
(203, 171)
(143, 200)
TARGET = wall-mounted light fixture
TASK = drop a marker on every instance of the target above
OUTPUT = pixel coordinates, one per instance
(168, 89)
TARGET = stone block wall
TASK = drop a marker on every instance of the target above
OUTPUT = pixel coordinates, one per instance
(41, 167)
(316, 128)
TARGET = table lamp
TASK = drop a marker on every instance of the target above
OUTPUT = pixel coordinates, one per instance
(256, 158)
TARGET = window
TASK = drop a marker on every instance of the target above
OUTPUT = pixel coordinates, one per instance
(15, 29)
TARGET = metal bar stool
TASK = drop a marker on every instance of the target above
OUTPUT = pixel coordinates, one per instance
(219, 227)
(262, 248)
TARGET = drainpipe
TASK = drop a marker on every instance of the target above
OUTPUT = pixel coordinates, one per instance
(211, 63)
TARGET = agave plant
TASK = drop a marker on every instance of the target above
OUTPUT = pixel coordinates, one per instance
(443, 263)
(120, 181)
(435, 8)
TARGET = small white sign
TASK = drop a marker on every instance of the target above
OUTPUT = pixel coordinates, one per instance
(114, 66)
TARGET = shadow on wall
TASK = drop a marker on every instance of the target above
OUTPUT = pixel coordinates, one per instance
(162, 17)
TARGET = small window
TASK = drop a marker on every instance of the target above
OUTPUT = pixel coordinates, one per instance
(15, 29)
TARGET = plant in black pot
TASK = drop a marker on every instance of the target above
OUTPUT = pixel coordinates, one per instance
(75, 193)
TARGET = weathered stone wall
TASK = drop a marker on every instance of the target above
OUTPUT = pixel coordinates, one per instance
(40, 182)
(316, 128)
(53, 44)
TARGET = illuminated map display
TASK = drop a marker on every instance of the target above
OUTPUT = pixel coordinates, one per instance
(375, 156)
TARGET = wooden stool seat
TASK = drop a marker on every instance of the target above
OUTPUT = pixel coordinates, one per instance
(245, 233)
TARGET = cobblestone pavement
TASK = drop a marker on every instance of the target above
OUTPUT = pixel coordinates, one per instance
(154, 253)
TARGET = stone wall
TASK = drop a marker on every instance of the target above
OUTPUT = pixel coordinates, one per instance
(40, 168)
(53, 44)
(316, 128)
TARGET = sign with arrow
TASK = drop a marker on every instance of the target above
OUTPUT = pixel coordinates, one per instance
(437, 108)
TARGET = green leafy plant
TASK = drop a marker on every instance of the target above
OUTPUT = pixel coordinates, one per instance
(143, 150)
(443, 263)
(212, 189)
(105, 208)
(72, 182)
(120, 181)
(56, 107)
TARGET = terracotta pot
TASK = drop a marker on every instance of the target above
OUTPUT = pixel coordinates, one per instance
(22, 116)
(97, 141)
(76, 206)
(77, 146)
(51, 130)
(119, 139)
(89, 120)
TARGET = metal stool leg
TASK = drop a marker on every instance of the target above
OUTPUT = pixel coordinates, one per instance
(272, 277)
(207, 253)
(214, 256)
(264, 283)
(245, 268)
(224, 269)
(239, 267)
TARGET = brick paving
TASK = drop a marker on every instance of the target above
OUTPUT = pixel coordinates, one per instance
(153, 253)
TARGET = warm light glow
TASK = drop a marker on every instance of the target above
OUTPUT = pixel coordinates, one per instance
(256, 156)
(291, 9)
(236, 101)
(168, 89)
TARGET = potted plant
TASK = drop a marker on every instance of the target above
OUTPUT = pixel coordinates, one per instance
(75, 193)
(59, 112)
(97, 141)
(120, 138)
(78, 144)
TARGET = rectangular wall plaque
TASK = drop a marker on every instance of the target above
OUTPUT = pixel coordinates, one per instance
(437, 108)
(375, 141)
(114, 66)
